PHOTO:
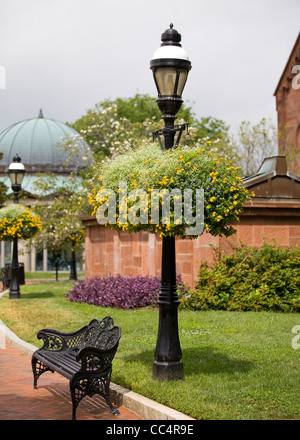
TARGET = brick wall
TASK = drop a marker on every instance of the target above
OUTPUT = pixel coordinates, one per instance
(110, 252)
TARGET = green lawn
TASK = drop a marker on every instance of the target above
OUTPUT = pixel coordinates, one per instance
(237, 365)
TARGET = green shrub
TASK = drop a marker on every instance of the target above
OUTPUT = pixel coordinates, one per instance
(266, 278)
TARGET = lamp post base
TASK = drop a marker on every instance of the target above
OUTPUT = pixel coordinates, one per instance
(14, 294)
(168, 370)
(14, 289)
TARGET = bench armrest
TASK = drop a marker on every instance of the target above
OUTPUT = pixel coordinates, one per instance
(55, 340)
(95, 359)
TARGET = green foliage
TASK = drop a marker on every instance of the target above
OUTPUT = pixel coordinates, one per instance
(136, 109)
(266, 278)
(212, 128)
(114, 126)
(3, 196)
(60, 210)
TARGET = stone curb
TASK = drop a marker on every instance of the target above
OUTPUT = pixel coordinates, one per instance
(142, 406)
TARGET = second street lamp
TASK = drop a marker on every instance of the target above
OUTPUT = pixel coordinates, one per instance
(170, 65)
(16, 171)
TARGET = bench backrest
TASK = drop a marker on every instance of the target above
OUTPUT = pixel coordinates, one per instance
(102, 334)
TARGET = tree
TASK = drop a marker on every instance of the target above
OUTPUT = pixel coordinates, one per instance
(136, 110)
(60, 206)
(3, 189)
(254, 143)
(124, 124)
(211, 128)
(119, 125)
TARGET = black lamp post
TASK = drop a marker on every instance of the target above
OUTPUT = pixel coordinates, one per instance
(73, 271)
(16, 171)
(170, 65)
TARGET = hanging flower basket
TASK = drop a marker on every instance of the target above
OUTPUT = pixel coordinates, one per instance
(17, 221)
(184, 170)
(76, 238)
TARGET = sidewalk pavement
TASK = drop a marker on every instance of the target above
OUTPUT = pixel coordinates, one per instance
(52, 400)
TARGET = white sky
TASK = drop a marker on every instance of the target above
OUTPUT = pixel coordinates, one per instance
(64, 56)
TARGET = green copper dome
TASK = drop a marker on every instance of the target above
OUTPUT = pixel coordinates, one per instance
(36, 141)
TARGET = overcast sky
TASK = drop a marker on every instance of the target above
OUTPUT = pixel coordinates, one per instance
(64, 56)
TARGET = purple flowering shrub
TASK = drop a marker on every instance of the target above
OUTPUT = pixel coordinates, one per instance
(119, 291)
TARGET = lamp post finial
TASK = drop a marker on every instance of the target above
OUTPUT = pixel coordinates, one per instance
(17, 158)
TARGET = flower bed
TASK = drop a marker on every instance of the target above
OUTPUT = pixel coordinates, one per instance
(119, 291)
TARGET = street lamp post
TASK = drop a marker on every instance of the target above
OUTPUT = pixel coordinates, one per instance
(170, 65)
(73, 271)
(16, 171)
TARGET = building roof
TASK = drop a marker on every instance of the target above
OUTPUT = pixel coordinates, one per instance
(36, 141)
(273, 182)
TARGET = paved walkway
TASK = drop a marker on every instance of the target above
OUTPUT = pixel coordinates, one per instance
(51, 401)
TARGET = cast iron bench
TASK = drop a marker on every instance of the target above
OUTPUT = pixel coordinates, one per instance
(84, 357)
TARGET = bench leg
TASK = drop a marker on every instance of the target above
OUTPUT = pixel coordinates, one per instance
(76, 397)
(81, 386)
(38, 368)
(107, 396)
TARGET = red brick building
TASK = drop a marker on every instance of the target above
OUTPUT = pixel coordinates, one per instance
(287, 96)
